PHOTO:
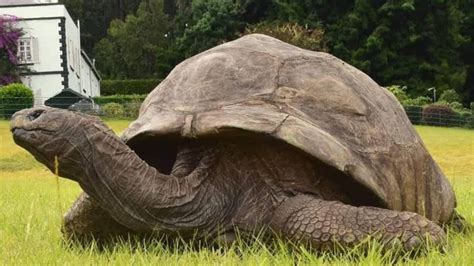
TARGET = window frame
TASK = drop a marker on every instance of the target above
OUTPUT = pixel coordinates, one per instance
(20, 52)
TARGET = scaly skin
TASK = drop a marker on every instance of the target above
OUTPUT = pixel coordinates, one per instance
(86, 221)
(325, 224)
(214, 186)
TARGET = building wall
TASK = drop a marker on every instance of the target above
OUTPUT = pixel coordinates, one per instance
(43, 86)
(35, 11)
(73, 48)
(90, 84)
(46, 35)
(58, 63)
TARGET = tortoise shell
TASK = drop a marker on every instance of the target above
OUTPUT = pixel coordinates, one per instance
(310, 100)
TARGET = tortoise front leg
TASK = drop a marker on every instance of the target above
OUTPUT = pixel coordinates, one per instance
(325, 224)
(86, 221)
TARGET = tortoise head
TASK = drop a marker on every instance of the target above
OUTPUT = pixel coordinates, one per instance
(48, 133)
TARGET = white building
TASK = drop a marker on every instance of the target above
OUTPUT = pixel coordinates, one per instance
(51, 51)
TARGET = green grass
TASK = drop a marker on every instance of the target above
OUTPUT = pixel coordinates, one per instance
(31, 210)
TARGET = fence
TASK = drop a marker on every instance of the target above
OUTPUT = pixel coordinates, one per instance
(128, 108)
(111, 107)
(420, 116)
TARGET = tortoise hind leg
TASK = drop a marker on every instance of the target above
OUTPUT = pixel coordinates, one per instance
(324, 225)
(459, 224)
(87, 221)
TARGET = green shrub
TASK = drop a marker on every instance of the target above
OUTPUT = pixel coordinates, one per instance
(472, 107)
(439, 115)
(127, 87)
(122, 99)
(132, 108)
(414, 113)
(470, 121)
(442, 103)
(14, 97)
(449, 96)
(456, 106)
(399, 92)
(418, 101)
(131, 103)
(113, 110)
(467, 119)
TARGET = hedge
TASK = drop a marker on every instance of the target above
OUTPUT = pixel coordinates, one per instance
(414, 113)
(120, 105)
(440, 115)
(121, 99)
(128, 87)
(14, 97)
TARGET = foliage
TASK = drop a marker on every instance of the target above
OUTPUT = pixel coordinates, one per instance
(212, 22)
(399, 92)
(439, 115)
(405, 42)
(444, 103)
(113, 110)
(137, 47)
(418, 101)
(9, 35)
(449, 96)
(420, 44)
(467, 118)
(414, 113)
(130, 86)
(303, 37)
(456, 106)
(123, 105)
(122, 99)
(132, 108)
(14, 97)
(467, 49)
(96, 16)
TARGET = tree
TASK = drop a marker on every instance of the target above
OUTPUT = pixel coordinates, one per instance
(403, 42)
(95, 16)
(137, 47)
(419, 44)
(467, 50)
(449, 96)
(212, 22)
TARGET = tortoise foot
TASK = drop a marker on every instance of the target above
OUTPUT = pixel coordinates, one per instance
(327, 225)
(86, 221)
(459, 224)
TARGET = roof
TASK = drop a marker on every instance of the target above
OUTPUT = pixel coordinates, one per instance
(65, 98)
(91, 64)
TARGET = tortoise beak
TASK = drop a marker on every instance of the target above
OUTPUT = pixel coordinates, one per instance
(23, 119)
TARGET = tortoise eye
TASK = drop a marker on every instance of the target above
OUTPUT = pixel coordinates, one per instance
(35, 114)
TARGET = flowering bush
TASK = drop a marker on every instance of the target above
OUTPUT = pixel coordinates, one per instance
(9, 35)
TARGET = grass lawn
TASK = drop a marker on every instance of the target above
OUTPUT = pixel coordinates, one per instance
(32, 205)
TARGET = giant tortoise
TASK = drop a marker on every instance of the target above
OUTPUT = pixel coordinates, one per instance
(254, 134)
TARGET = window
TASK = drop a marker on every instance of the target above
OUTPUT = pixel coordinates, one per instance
(25, 51)
(70, 53)
(73, 58)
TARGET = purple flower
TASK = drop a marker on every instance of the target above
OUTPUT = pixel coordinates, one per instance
(9, 36)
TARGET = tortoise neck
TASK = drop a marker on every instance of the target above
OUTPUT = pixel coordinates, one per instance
(134, 193)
